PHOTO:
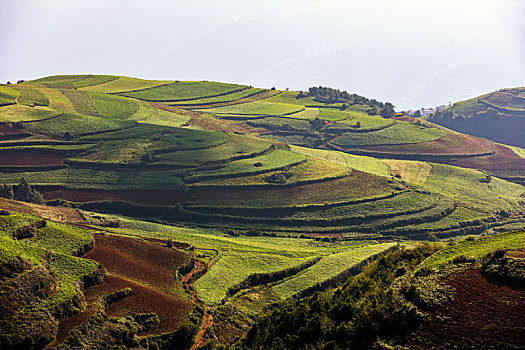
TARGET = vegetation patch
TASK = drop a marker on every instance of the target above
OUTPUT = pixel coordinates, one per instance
(180, 91)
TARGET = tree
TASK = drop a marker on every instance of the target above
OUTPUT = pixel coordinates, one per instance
(417, 114)
(24, 192)
(6, 190)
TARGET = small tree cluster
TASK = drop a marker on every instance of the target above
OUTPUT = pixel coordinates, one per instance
(23, 192)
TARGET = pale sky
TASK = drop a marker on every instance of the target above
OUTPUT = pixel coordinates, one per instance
(413, 53)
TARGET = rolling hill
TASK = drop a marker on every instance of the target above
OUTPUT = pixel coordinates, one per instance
(224, 201)
(498, 116)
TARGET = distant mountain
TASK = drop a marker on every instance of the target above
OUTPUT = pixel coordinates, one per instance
(499, 116)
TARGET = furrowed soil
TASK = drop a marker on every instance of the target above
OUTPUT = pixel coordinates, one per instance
(503, 159)
(482, 315)
(30, 158)
(149, 270)
(138, 261)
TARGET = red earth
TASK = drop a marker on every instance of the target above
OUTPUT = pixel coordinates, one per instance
(503, 159)
(30, 158)
(148, 269)
(482, 315)
(7, 129)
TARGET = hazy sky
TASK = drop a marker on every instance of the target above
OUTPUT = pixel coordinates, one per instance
(413, 53)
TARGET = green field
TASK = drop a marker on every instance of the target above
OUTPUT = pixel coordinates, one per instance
(328, 267)
(276, 160)
(8, 95)
(60, 81)
(30, 96)
(237, 146)
(93, 80)
(123, 84)
(77, 124)
(232, 97)
(257, 108)
(401, 133)
(187, 90)
(475, 248)
(17, 113)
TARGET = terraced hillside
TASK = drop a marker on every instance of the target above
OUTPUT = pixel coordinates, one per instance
(498, 116)
(219, 155)
(222, 202)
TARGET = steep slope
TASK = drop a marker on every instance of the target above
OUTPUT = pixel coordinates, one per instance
(498, 116)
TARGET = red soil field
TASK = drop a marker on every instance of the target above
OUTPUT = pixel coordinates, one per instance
(7, 129)
(503, 159)
(482, 315)
(138, 261)
(452, 143)
(134, 196)
(38, 158)
(148, 269)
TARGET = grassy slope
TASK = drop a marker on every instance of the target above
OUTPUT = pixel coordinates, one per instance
(183, 91)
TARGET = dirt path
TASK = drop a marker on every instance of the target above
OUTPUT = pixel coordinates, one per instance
(208, 321)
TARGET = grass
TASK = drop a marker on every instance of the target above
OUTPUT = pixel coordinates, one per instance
(232, 97)
(81, 102)
(328, 267)
(233, 267)
(180, 91)
(8, 95)
(475, 248)
(283, 124)
(108, 180)
(123, 84)
(61, 240)
(167, 138)
(313, 170)
(361, 163)
(257, 108)
(150, 115)
(237, 146)
(291, 98)
(401, 133)
(112, 106)
(30, 96)
(60, 81)
(58, 100)
(464, 185)
(77, 124)
(410, 171)
(93, 80)
(278, 159)
(17, 113)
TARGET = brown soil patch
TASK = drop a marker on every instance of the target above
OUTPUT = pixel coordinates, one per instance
(451, 144)
(7, 129)
(138, 261)
(30, 158)
(52, 213)
(503, 159)
(148, 269)
(482, 315)
(517, 254)
(134, 196)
